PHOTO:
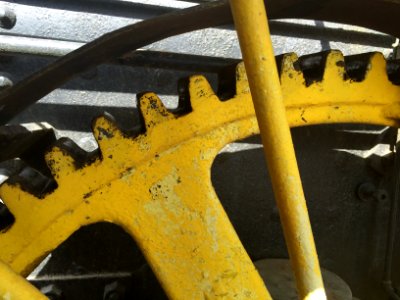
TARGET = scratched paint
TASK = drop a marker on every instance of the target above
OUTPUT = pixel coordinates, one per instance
(115, 188)
(252, 27)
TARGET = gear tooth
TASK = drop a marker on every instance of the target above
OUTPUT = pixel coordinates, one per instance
(105, 132)
(376, 69)
(290, 69)
(19, 202)
(334, 66)
(105, 128)
(242, 84)
(60, 159)
(60, 163)
(153, 110)
(200, 90)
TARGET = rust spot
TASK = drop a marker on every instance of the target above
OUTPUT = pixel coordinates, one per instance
(153, 103)
(201, 93)
(87, 195)
(105, 133)
(340, 63)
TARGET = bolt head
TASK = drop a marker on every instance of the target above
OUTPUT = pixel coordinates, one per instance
(365, 191)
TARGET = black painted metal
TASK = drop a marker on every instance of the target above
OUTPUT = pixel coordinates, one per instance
(392, 228)
(109, 46)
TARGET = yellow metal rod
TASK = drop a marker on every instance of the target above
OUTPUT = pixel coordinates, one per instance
(252, 27)
(13, 286)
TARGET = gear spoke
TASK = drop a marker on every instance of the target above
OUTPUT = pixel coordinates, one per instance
(157, 185)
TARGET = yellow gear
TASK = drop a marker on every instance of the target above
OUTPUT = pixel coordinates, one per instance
(157, 186)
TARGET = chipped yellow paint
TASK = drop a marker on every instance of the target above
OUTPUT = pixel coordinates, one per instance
(251, 24)
(14, 287)
(179, 236)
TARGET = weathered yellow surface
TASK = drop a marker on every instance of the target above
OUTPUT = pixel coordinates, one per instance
(258, 55)
(157, 186)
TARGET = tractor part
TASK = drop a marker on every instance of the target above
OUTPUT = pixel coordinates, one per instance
(375, 14)
(157, 185)
(255, 42)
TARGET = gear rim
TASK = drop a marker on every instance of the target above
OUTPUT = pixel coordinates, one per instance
(319, 103)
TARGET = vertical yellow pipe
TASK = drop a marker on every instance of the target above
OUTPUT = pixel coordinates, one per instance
(13, 286)
(256, 45)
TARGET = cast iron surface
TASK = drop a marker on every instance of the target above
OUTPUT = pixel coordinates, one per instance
(350, 233)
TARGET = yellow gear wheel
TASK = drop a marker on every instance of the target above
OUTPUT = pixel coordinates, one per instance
(157, 186)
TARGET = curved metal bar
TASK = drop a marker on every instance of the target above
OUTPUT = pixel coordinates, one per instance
(109, 46)
(129, 38)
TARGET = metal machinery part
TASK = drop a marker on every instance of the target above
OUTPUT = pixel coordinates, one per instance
(252, 27)
(312, 109)
(214, 13)
(166, 203)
